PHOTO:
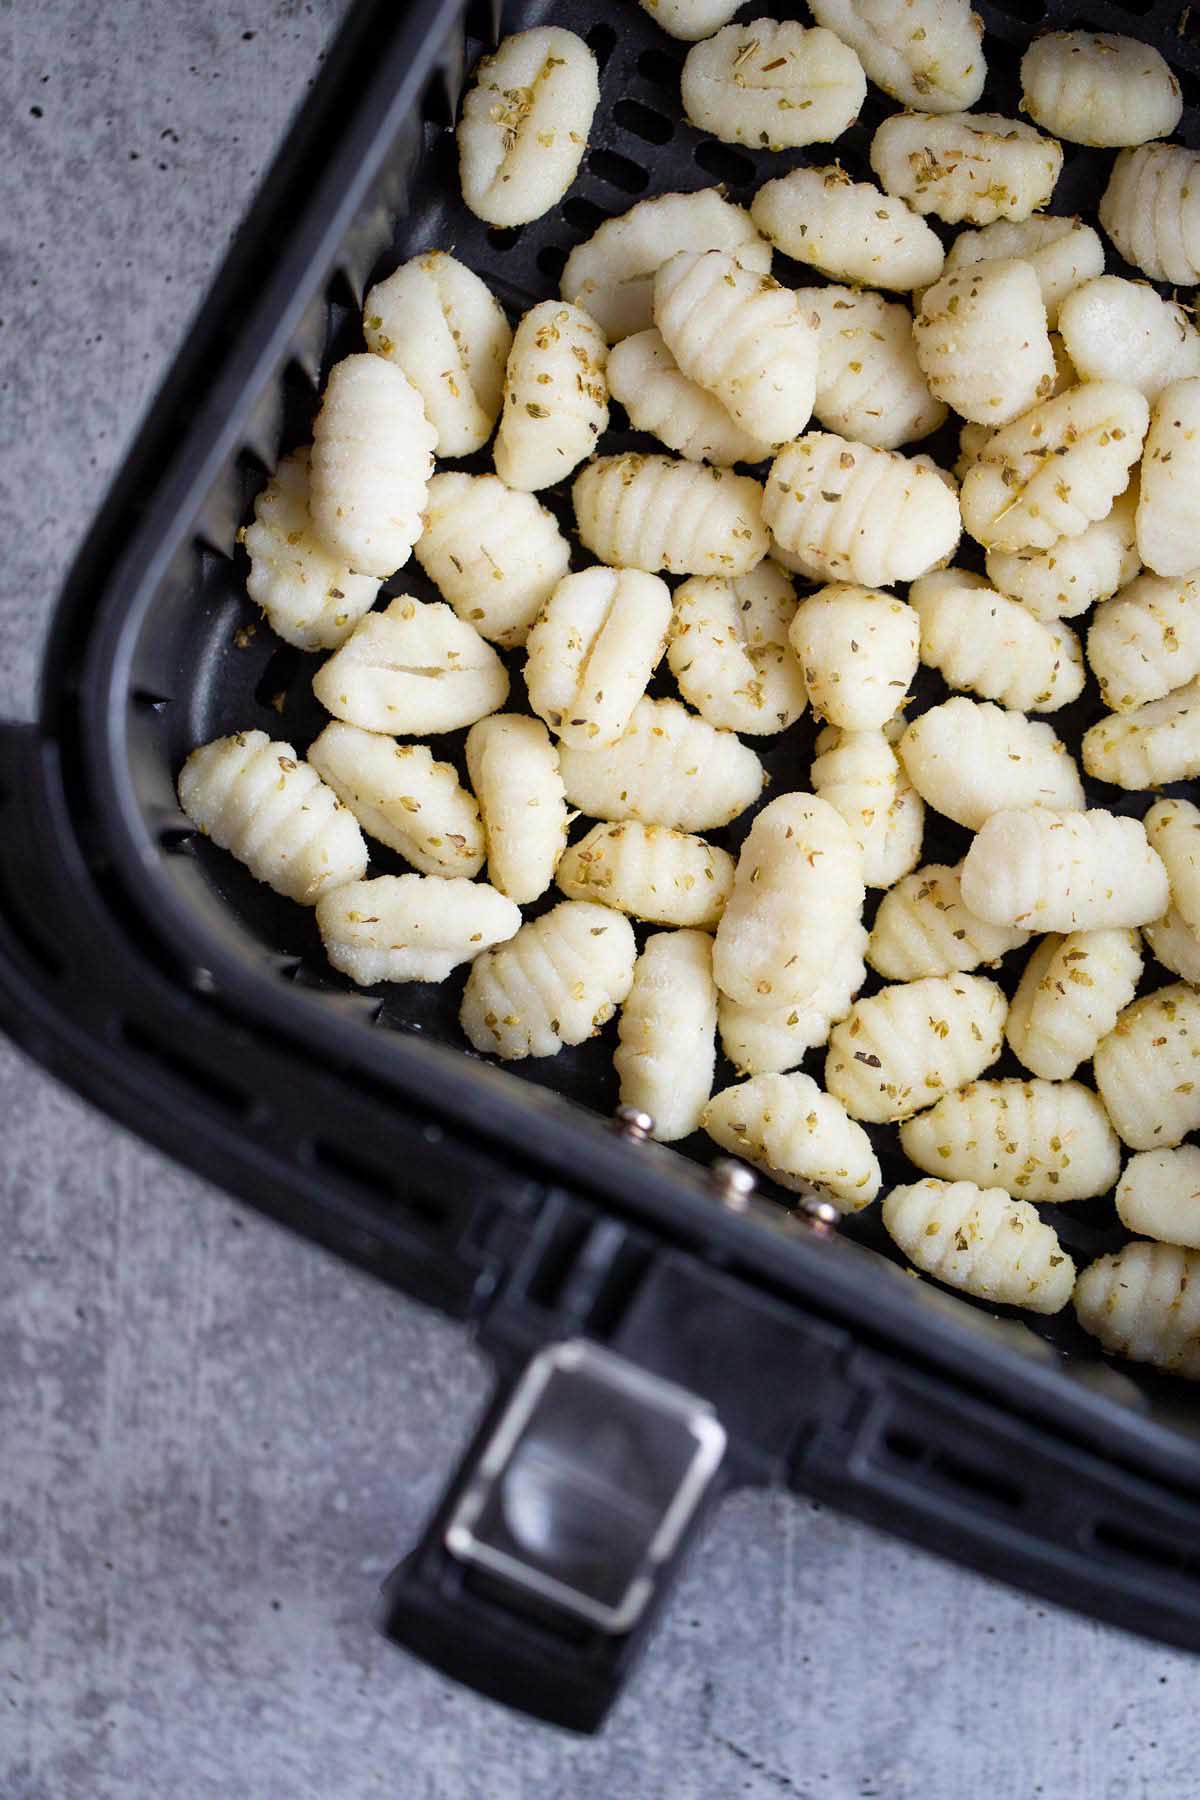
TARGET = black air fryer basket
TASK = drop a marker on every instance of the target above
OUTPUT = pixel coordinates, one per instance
(657, 1337)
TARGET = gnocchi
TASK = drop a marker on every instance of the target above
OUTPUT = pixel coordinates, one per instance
(369, 466)
(1150, 745)
(524, 125)
(661, 399)
(1039, 1140)
(310, 598)
(1145, 641)
(496, 554)
(924, 928)
(859, 773)
(1144, 1303)
(402, 798)
(555, 396)
(847, 229)
(992, 646)
(1159, 1195)
(1070, 576)
(773, 84)
(730, 653)
(981, 1241)
(593, 650)
(1100, 88)
(1151, 211)
(1064, 871)
(968, 759)
(558, 980)
(1174, 946)
(412, 670)
(411, 927)
(664, 876)
(670, 768)
(1117, 330)
(1068, 998)
(898, 1051)
(982, 341)
(666, 1034)
(974, 166)
(690, 19)
(513, 767)
(802, 1138)
(651, 513)
(1063, 253)
(1145, 1068)
(1168, 532)
(763, 1040)
(1173, 827)
(869, 384)
(922, 52)
(859, 651)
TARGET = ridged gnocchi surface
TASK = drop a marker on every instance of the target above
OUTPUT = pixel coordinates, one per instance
(1173, 828)
(661, 399)
(1099, 88)
(1064, 871)
(1063, 252)
(670, 768)
(1159, 1195)
(311, 598)
(611, 275)
(924, 928)
(974, 166)
(666, 877)
(555, 396)
(968, 759)
(369, 466)
(651, 512)
(1117, 330)
(412, 670)
(1150, 745)
(1145, 641)
(403, 798)
(730, 653)
(1174, 946)
(1144, 1303)
(981, 1241)
(593, 650)
(982, 341)
(993, 646)
(859, 773)
(926, 53)
(1068, 998)
(513, 767)
(557, 981)
(799, 1136)
(773, 84)
(1039, 1140)
(899, 1050)
(767, 1039)
(1073, 573)
(743, 337)
(847, 229)
(411, 927)
(266, 806)
(439, 323)
(525, 123)
(859, 650)
(797, 895)
(859, 514)
(1146, 1068)
(666, 1050)
(1168, 531)
(869, 384)
(690, 19)
(494, 553)
(1151, 211)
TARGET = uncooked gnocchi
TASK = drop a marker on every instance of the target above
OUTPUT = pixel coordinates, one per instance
(1145, 641)
(1070, 993)
(762, 1040)
(1159, 1195)
(799, 1136)
(1150, 745)
(859, 651)
(593, 650)
(267, 807)
(411, 927)
(651, 512)
(1064, 871)
(403, 798)
(1173, 827)
(847, 229)
(869, 384)
(370, 463)
(982, 1241)
(992, 646)
(1117, 330)
(495, 554)
(860, 774)
(666, 1034)
(925, 53)
(900, 1050)
(1174, 946)
(1075, 572)
(1144, 1303)
(412, 670)
(557, 981)
(1146, 1068)
(666, 877)
(690, 19)
(1062, 252)
(525, 123)
(773, 84)
(670, 768)
(730, 653)
(982, 341)
(311, 598)
(968, 759)
(514, 771)
(661, 399)
(1151, 211)
(1168, 529)
(974, 166)
(923, 928)
(555, 396)
(1099, 88)
(1039, 1140)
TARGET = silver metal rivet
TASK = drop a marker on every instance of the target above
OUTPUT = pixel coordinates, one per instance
(821, 1216)
(632, 1123)
(734, 1183)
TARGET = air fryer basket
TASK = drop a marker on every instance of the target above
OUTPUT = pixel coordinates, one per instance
(195, 1005)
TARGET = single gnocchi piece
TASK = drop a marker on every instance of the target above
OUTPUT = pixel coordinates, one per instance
(593, 650)
(1145, 641)
(555, 396)
(1171, 943)
(1099, 88)
(1144, 1303)
(1063, 253)
(859, 514)
(440, 324)
(611, 275)
(1146, 1068)
(869, 384)
(741, 336)
(411, 927)
(666, 1051)
(1151, 211)
(525, 123)
(403, 798)
(847, 229)
(690, 19)
(514, 771)
(924, 928)
(982, 341)
(859, 651)
(411, 671)
(974, 166)
(369, 466)
(557, 981)
(901, 1049)
(1117, 330)
(266, 806)
(1159, 1195)
(1070, 993)
(926, 53)
(311, 599)
(992, 646)
(1073, 573)
(1039, 1140)
(730, 653)
(859, 773)
(1056, 469)
(1064, 871)
(981, 1241)
(661, 399)
(797, 895)
(1150, 745)
(968, 759)
(1173, 827)
(763, 1040)
(802, 1138)
(1168, 531)
(651, 512)
(497, 555)
(666, 877)
(670, 768)
(773, 84)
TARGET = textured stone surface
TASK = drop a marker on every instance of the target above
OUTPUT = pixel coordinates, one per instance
(213, 1440)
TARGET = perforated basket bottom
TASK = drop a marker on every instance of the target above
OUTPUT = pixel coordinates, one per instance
(233, 674)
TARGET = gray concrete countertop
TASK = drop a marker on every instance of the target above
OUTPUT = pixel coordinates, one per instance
(214, 1439)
